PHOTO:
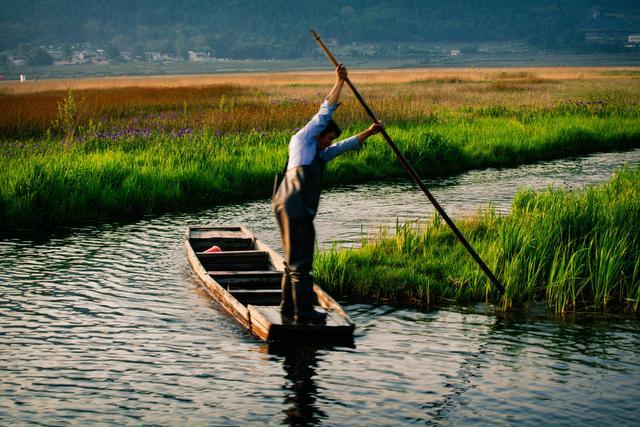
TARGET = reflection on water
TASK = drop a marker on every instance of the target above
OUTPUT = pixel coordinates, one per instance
(106, 325)
(345, 212)
(301, 393)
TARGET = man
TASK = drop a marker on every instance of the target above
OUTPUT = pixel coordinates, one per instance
(296, 200)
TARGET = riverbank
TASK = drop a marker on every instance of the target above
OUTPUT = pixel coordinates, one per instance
(576, 250)
(102, 153)
(48, 185)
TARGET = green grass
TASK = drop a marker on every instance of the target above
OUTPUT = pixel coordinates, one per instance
(46, 182)
(576, 250)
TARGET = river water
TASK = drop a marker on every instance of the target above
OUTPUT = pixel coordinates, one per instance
(106, 324)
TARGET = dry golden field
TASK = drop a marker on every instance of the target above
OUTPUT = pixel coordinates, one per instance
(385, 76)
(284, 100)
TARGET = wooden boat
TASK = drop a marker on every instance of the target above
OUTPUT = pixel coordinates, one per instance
(245, 278)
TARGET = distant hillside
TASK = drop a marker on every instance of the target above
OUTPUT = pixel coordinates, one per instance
(279, 28)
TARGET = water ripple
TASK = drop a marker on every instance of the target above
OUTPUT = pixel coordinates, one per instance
(106, 325)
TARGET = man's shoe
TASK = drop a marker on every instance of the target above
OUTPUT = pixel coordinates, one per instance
(303, 302)
(311, 316)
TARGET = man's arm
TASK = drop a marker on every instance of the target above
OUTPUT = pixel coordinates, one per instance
(352, 143)
(334, 95)
(328, 107)
(371, 130)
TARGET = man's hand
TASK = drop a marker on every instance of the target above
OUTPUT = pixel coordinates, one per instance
(334, 95)
(375, 128)
(341, 72)
(371, 130)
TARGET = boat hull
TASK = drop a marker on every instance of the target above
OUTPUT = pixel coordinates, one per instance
(244, 277)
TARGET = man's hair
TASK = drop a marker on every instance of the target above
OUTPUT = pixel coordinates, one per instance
(332, 126)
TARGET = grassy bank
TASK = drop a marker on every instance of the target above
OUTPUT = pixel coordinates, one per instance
(45, 182)
(163, 144)
(576, 250)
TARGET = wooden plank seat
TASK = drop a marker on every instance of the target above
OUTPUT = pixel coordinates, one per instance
(233, 255)
(235, 260)
(257, 296)
(227, 238)
(256, 279)
(224, 244)
(199, 233)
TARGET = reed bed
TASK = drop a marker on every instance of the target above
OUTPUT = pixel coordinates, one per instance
(285, 100)
(119, 147)
(45, 182)
(305, 78)
(575, 250)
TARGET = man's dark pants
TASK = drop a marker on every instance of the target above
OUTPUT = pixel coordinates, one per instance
(298, 237)
(295, 204)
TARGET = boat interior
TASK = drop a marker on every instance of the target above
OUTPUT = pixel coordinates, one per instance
(242, 267)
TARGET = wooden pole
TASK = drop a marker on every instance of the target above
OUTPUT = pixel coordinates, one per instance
(414, 175)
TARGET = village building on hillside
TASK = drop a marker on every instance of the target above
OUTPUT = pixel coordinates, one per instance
(87, 56)
(199, 56)
(56, 54)
(161, 57)
(18, 60)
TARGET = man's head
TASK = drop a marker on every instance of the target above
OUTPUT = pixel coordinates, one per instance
(328, 134)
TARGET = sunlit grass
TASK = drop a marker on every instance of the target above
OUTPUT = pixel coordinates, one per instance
(143, 145)
(573, 249)
(46, 182)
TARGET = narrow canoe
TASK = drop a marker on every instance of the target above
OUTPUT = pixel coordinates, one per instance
(245, 279)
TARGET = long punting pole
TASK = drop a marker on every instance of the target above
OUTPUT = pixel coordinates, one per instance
(414, 175)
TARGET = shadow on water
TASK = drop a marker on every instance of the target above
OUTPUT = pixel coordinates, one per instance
(569, 346)
(468, 374)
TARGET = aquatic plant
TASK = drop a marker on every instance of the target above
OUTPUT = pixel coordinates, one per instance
(576, 250)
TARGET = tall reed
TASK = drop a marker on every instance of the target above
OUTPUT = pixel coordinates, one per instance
(130, 146)
(576, 250)
(131, 172)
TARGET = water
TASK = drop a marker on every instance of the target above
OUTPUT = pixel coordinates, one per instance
(106, 325)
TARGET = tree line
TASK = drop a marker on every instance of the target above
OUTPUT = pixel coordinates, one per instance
(279, 28)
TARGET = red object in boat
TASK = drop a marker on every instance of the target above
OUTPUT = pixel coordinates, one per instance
(213, 248)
